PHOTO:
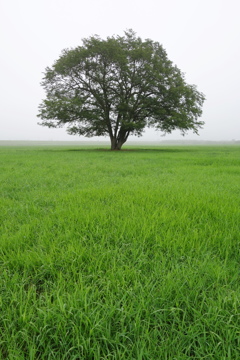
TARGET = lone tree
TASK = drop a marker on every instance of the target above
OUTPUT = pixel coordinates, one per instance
(117, 87)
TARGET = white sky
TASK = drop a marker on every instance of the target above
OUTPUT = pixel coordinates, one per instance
(202, 37)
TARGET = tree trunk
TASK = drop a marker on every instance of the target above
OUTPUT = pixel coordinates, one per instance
(118, 141)
(116, 144)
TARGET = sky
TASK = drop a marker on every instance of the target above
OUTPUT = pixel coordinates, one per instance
(200, 36)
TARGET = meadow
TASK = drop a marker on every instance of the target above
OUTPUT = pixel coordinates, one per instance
(130, 255)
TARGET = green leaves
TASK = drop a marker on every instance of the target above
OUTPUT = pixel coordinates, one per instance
(117, 87)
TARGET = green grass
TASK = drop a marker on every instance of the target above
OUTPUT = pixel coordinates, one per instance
(120, 255)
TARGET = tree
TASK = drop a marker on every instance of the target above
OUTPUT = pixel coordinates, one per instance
(117, 87)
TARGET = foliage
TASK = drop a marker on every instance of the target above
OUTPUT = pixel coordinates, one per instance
(117, 87)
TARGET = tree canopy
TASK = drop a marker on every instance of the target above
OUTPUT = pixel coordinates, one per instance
(117, 87)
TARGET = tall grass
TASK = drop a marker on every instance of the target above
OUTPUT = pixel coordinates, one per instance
(120, 255)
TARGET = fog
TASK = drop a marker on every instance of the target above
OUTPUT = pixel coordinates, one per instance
(200, 37)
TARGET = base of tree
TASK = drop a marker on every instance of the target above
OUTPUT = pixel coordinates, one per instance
(116, 145)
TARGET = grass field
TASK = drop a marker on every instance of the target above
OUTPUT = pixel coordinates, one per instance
(120, 255)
